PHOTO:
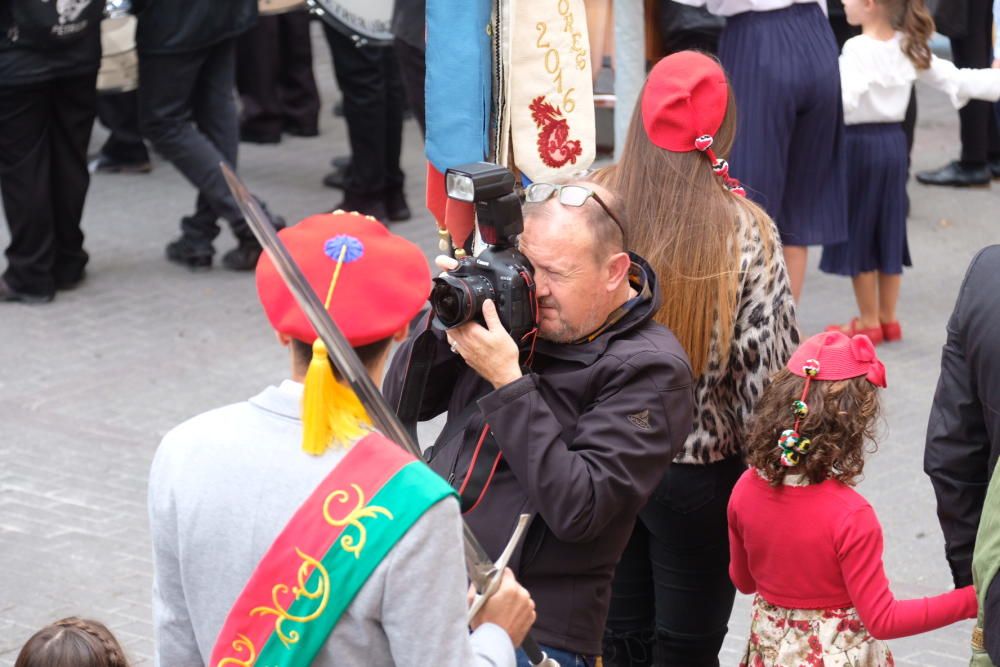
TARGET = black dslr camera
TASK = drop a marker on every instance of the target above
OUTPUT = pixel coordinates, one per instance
(499, 272)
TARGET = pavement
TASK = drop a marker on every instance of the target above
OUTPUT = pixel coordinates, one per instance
(90, 383)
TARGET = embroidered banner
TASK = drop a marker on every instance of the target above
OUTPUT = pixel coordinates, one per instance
(458, 82)
(339, 535)
(551, 89)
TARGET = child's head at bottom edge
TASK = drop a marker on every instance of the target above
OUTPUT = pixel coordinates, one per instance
(72, 642)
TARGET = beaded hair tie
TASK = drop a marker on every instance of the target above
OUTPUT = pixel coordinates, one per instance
(793, 446)
(719, 166)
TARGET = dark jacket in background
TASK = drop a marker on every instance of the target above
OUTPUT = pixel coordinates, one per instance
(177, 26)
(21, 63)
(963, 434)
(585, 439)
(951, 17)
(409, 22)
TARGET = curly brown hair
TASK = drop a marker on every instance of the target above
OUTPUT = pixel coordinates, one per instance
(843, 417)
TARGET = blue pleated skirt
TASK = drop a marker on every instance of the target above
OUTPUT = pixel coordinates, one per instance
(876, 203)
(789, 149)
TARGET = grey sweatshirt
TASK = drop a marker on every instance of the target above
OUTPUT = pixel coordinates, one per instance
(222, 487)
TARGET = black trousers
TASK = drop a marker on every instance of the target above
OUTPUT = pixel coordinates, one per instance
(119, 112)
(274, 74)
(978, 126)
(187, 109)
(672, 596)
(412, 69)
(368, 77)
(44, 132)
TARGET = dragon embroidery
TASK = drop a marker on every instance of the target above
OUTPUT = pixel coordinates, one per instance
(554, 145)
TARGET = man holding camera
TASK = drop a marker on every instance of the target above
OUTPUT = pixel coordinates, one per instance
(581, 433)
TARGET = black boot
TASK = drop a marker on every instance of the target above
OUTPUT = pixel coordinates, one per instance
(337, 178)
(373, 205)
(395, 205)
(628, 649)
(247, 251)
(195, 255)
(956, 174)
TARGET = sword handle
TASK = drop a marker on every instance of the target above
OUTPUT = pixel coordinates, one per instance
(535, 654)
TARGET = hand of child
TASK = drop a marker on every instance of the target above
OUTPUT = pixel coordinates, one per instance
(971, 606)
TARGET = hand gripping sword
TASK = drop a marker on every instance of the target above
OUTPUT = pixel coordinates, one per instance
(484, 574)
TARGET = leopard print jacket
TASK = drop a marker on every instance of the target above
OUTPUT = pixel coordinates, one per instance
(764, 336)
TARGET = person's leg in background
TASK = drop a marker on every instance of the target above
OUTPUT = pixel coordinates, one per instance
(395, 103)
(258, 70)
(628, 636)
(166, 120)
(297, 90)
(187, 109)
(361, 77)
(689, 548)
(73, 109)
(977, 126)
(412, 69)
(216, 116)
(124, 150)
(26, 188)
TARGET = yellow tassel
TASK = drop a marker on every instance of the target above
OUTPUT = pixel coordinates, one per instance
(331, 412)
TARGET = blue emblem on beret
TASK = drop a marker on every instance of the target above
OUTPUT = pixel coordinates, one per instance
(333, 247)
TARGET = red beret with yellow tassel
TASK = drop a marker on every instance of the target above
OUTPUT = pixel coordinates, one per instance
(373, 284)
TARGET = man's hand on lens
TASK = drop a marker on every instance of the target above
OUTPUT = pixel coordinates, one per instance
(489, 351)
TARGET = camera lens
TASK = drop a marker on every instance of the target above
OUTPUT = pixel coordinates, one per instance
(459, 299)
(448, 304)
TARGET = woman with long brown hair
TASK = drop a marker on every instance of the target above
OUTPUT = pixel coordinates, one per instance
(726, 298)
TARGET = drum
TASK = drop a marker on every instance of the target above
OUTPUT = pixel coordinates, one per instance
(269, 7)
(364, 21)
(119, 71)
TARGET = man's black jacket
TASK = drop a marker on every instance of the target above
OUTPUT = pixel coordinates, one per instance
(180, 26)
(963, 434)
(25, 63)
(585, 439)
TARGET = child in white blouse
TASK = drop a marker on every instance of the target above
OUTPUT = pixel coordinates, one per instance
(877, 71)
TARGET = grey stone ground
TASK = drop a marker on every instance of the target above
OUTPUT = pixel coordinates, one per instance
(89, 384)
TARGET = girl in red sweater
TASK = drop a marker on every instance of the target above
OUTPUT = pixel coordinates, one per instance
(802, 538)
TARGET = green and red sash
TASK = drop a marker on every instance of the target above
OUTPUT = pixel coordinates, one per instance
(325, 554)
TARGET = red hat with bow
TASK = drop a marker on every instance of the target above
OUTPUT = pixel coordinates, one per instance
(683, 106)
(829, 356)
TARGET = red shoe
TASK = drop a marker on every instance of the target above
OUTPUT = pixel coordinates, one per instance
(891, 331)
(851, 329)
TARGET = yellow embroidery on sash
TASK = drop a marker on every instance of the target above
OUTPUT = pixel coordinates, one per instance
(361, 511)
(240, 644)
(299, 591)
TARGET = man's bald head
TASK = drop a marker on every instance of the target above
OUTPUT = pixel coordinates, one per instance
(606, 236)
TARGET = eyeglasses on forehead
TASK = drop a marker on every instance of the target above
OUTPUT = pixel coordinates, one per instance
(569, 195)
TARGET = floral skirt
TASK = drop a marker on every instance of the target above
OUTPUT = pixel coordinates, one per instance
(781, 637)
